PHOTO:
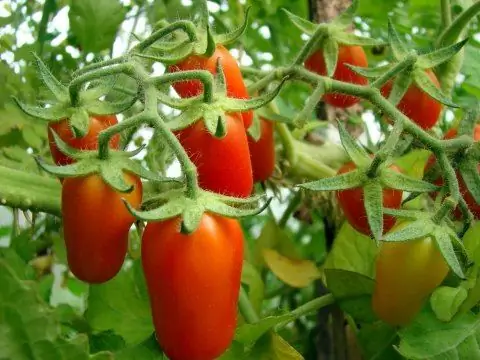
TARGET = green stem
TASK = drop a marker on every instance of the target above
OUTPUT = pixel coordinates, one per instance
(452, 32)
(451, 179)
(292, 205)
(409, 61)
(462, 142)
(386, 150)
(319, 34)
(187, 26)
(99, 65)
(446, 13)
(288, 142)
(15, 223)
(308, 308)
(246, 307)
(204, 76)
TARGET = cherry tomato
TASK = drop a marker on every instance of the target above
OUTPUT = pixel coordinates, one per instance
(223, 165)
(353, 55)
(351, 202)
(417, 104)
(88, 142)
(235, 86)
(193, 282)
(262, 152)
(96, 225)
(406, 274)
(466, 194)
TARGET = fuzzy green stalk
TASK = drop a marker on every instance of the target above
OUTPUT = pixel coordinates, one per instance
(98, 65)
(319, 34)
(246, 307)
(187, 26)
(408, 62)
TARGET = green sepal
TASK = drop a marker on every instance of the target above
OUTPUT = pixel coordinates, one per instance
(451, 33)
(437, 57)
(398, 48)
(423, 81)
(97, 89)
(215, 123)
(400, 86)
(358, 154)
(306, 113)
(471, 177)
(395, 180)
(64, 148)
(350, 39)
(304, 25)
(59, 90)
(113, 176)
(346, 17)
(177, 53)
(191, 217)
(373, 201)
(79, 122)
(255, 130)
(405, 214)
(220, 81)
(53, 113)
(224, 209)
(349, 180)
(233, 35)
(370, 73)
(444, 243)
(330, 55)
(98, 107)
(468, 122)
(171, 209)
(415, 230)
(179, 104)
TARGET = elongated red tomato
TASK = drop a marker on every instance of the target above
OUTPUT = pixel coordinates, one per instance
(467, 195)
(406, 274)
(223, 164)
(96, 225)
(351, 202)
(233, 77)
(88, 142)
(262, 152)
(417, 104)
(353, 55)
(193, 282)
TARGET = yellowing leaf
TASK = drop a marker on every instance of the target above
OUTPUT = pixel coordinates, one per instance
(293, 272)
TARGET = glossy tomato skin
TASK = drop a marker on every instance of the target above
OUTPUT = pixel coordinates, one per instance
(469, 199)
(233, 77)
(351, 202)
(223, 165)
(262, 152)
(353, 55)
(193, 282)
(96, 225)
(417, 104)
(88, 142)
(407, 272)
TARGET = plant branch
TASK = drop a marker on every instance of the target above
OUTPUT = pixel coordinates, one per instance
(246, 307)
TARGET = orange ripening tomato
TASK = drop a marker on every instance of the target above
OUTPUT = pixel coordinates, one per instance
(262, 152)
(193, 282)
(233, 77)
(466, 194)
(352, 55)
(88, 142)
(407, 272)
(351, 202)
(417, 104)
(96, 225)
(223, 165)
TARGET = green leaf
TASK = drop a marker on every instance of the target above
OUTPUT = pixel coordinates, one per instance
(59, 90)
(330, 54)
(401, 83)
(446, 301)
(395, 180)
(147, 350)
(248, 334)
(373, 200)
(32, 138)
(349, 180)
(95, 23)
(451, 33)
(377, 340)
(445, 246)
(273, 347)
(435, 58)
(232, 36)
(304, 25)
(415, 230)
(121, 305)
(424, 82)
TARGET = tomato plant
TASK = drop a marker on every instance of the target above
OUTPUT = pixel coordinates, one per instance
(351, 202)
(417, 104)
(88, 142)
(406, 273)
(352, 55)
(223, 164)
(262, 151)
(96, 225)
(233, 77)
(193, 281)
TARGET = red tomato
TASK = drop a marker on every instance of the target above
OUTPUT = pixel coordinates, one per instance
(262, 152)
(193, 282)
(88, 142)
(96, 225)
(406, 274)
(417, 104)
(353, 55)
(472, 204)
(223, 165)
(351, 202)
(235, 86)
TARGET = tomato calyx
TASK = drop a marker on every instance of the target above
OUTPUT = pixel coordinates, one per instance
(174, 203)
(111, 170)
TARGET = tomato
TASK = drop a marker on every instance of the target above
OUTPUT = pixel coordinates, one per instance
(417, 104)
(407, 272)
(96, 225)
(466, 194)
(351, 202)
(262, 152)
(223, 165)
(353, 55)
(233, 77)
(193, 282)
(88, 142)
